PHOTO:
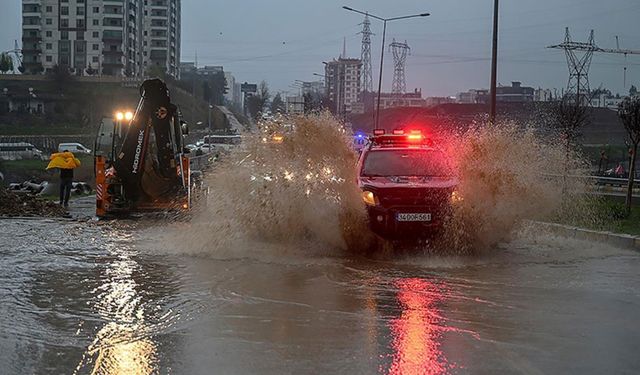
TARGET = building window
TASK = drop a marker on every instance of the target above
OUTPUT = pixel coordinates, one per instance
(95, 59)
(49, 34)
(96, 34)
(80, 11)
(49, 59)
(96, 9)
(49, 9)
(49, 46)
(48, 21)
(96, 47)
(64, 11)
(64, 23)
(96, 22)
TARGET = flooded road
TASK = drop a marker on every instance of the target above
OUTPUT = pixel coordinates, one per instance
(96, 298)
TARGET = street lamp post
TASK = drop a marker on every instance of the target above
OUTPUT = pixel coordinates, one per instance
(209, 117)
(384, 32)
(494, 64)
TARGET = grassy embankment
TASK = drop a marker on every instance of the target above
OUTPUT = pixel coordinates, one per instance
(607, 214)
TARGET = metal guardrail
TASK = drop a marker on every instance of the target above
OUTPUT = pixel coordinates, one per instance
(201, 162)
(605, 186)
(613, 181)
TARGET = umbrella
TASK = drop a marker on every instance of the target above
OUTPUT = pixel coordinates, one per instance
(63, 160)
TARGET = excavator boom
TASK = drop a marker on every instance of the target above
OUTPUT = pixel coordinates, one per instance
(149, 169)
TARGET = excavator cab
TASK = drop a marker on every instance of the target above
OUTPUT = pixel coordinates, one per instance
(140, 159)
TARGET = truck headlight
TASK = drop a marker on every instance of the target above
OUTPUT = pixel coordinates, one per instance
(369, 198)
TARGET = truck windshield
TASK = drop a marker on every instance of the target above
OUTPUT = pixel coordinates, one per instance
(418, 162)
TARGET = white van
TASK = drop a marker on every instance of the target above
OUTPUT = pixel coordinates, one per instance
(20, 151)
(76, 148)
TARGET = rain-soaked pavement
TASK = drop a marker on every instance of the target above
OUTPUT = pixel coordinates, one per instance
(85, 297)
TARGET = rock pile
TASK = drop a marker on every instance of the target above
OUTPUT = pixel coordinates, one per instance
(12, 205)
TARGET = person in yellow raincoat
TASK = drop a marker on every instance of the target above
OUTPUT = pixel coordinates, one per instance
(66, 162)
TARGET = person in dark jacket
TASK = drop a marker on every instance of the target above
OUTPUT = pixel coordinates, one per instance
(66, 183)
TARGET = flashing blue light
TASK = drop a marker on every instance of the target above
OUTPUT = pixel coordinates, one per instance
(359, 135)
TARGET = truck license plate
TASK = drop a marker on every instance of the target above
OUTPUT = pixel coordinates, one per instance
(413, 217)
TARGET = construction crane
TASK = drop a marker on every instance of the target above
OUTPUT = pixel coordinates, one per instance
(579, 65)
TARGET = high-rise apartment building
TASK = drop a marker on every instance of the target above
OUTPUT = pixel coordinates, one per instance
(161, 35)
(101, 37)
(342, 83)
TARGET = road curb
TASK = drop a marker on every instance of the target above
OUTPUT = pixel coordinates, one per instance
(621, 241)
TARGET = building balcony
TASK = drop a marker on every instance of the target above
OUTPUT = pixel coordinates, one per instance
(112, 64)
(31, 38)
(31, 50)
(112, 53)
(112, 39)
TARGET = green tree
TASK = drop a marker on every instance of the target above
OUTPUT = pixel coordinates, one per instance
(633, 91)
(277, 105)
(5, 60)
(61, 76)
(629, 112)
(256, 102)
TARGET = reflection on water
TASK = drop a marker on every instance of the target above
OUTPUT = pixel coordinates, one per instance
(416, 333)
(122, 346)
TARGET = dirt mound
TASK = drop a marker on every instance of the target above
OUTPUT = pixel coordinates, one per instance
(12, 204)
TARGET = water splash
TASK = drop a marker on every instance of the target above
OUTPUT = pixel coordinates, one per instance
(294, 182)
(508, 174)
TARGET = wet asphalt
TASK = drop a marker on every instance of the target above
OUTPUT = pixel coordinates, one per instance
(87, 297)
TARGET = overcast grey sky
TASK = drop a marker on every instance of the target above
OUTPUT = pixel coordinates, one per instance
(284, 40)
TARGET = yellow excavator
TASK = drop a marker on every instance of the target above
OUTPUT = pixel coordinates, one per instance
(141, 164)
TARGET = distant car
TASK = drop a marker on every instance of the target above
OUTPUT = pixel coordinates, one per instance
(20, 151)
(76, 148)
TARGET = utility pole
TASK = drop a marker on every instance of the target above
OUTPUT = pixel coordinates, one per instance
(400, 52)
(384, 32)
(579, 65)
(494, 64)
(365, 56)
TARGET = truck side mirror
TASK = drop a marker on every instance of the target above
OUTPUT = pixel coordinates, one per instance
(184, 127)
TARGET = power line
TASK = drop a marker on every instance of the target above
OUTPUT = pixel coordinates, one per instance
(579, 65)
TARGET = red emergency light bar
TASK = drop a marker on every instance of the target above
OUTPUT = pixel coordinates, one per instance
(399, 137)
